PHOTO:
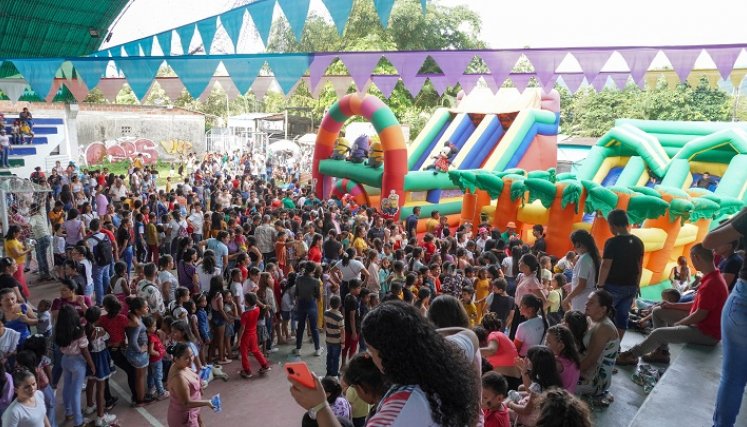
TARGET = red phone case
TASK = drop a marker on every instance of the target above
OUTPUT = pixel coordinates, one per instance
(300, 372)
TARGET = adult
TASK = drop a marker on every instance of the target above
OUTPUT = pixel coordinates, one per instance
(731, 262)
(207, 271)
(16, 316)
(540, 246)
(266, 235)
(347, 269)
(307, 295)
(432, 223)
(315, 249)
(28, 408)
(185, 389)
(186, 271)
(621, 267)
(696, 322)
(102, 202)
(41, 232)
(100, 273)
(218, 245)
(74, 228)
(733, 318)
(196, 221)
(332, 248)
(8, 267)
(584, 278)
(17, 250)
(115, 324)
(411, 223)
(602, 344)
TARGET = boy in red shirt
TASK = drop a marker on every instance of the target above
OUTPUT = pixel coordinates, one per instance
(494, 390)
(249, 341)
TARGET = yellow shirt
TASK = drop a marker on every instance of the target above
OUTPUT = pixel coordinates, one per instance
(360, 245)
(14, 246)
(431, 225)
(56, 217)
(360, 408)
(137, 163)
(554, 299)
(471, 310)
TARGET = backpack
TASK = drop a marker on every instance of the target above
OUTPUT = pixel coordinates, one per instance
(102, 252)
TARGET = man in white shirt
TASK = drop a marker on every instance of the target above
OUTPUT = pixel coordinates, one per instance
(41, 232)
(118, 190)
(196, 220)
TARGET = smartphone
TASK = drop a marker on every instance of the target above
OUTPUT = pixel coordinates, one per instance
(300, 372)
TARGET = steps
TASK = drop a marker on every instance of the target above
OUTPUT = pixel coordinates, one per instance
(50, 133)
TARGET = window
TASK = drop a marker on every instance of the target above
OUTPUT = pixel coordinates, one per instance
(126, 130)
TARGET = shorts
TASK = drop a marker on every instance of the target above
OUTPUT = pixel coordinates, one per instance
(138, 359)
(285, 315)
(59, 259)
(622, 301)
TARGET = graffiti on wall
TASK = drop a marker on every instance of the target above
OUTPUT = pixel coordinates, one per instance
(128, 147)
(176, 146)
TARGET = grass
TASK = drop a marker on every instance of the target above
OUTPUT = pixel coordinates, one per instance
(123, 168)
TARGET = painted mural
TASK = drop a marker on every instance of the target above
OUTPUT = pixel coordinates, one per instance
(128, 147)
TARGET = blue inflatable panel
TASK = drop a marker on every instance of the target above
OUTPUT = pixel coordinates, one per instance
(612, 176)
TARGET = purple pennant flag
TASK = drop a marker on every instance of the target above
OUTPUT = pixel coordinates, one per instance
(550, 84)
(501, 64)
(521, 80)
(413, 84)
(545, 62)
(318, 67)
(592, 61)
(407, 63)
(360, 66)
(620, 79)
(385, 83)
(572, 81)
(453, 64)
(600, 81)
(683, 60)
(724, 58)
(439, 84)
(468, 82)
(638, 59)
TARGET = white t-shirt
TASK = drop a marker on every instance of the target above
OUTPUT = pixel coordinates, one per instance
(237, 290)
(166, 276)
(20, 415)
(8, 342)
(4, 141)
(530, 333)
(507, 265)
(352, 271)
(204, 278)
(197, 220)
(584, 269)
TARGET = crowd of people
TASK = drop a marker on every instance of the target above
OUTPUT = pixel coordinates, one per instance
(421, 323)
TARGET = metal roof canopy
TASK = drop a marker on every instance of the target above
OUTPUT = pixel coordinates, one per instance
(54, 28)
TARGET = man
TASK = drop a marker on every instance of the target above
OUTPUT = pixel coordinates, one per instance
(196, 220)
(332, 248)
(43, 236)
(433, 222)
(482, 238)
(352, 311)
(510, 232)
(102, 203)
(377, 230)
(148, 290)
(265, 235)
(100, 273)
(705, 181)
(540, 247)
(620, 271)
(411, 223)
(673, 324)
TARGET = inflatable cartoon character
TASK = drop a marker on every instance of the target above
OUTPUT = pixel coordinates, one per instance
(359, 152)
(442, 161)
(376, 155)
(390, 205)
(342, 149)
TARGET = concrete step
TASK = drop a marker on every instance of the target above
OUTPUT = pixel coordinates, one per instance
(22, 150)
(38, 130)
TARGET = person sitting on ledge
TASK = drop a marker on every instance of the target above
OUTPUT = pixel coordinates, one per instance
(671, 322)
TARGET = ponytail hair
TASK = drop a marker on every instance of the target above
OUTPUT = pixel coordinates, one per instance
(605, 300)
(531, 301)
(531, 261)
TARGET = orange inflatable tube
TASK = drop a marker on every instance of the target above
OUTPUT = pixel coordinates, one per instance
(506, 210)
(561, 222)
(600, 229)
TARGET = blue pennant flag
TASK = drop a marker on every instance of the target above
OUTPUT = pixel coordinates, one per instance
(90, 71)
(147, 45)
(132, 49)
(164, 40)
(288, 68)
(185, 35)
(261, 13)
(207, 28)
(340, 11)
(232, 22)
(295, 12)
(195, 72)
(384, 9)
(140, 73)
(243, 71)
(39, 73)
(423, 4)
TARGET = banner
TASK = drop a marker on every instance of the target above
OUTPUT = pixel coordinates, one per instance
(164, 41)
(185, 37)
(111, 87)
(39, 73)
(453, 64)
(147, 45)
(295, 12)
(638, 60)
(360, 66)
(682, 60)
(207, 29)
(521, 80)
(243, 72)
(261, 13)
(260, 87)
(194, 72)
(232, 22)
(500, 64)
(172, 86)
(545, 63)
(724, 58)
(288, 69)
(384, 9)
(341, 84)
(90, 71)
(340, 12)
(13, 88)
(385, 83)
(318, 67)
(572, 81)
(139, 73)
(591, 61)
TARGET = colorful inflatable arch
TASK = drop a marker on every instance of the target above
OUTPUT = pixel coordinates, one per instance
(392, 140)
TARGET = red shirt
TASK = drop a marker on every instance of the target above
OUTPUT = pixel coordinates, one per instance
(315, 254)
(115, 326)
(711, 296)
(157, 346)
(497, 417)
(249, 321)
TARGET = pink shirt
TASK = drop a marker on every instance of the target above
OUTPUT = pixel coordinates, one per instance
(526, 285)
(74, 348)
(569, 373)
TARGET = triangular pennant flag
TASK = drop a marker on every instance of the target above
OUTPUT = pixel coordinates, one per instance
(164, 40)
(261, 13)
(550, 84)
(724, 58)
(295, 12)
(243, 71)
(407, 63)
(439, 84)
(185, 37)
(572, 81)
(360, 65)
(545, 62)
(132, 49)
(638, 59)
(737, 76)
(683, 60)
(599, 82)
(39, 73)
(620, 79)
(147, 45)
(318, 67)
(67, 70)
(500, 64)
(78, 88)
(340, 84)
(110, 88)
(172, 86)
(232, 22)
(288, 69)
(207, 29)
(56, 85)
(227, 85)
(423, 5)
(90, 71)
(468, 82)
(315, 92)
(115, 51)
(13, 88)
(140, 73)
(385, 84)
(384, 9)
(592, 61)
(207, 92)
(521, 80)
(413, 84)
(260, 87)
(195, 72)
(453, 64)
(340, 12)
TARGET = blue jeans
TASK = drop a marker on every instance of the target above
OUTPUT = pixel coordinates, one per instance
(4, 151)
(49, 400)
(268, 325)
(42, 247)
(733, 368)
(307, 314)
(127, 258)
(155, 376)
(56, 365)
(74, 374)
(333, 359)
(622, 300)
(98, 282)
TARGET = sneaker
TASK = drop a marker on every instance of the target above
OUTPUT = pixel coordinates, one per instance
(274, 350)
(246, 375)
(162, 396)
(110, 403)
(89, 410)
(297, 351)
(265, 370)
(318, 351)
(105, 420)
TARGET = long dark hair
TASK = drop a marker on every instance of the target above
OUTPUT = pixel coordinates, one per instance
(605, 300)
(413, 353)
(446, 311)
(565, 336)
(558, 408)
(531, 261)
(584, 238)
(68, 327)
(516, 257)
(577, 323)
(208, 262)
(532, 301)
(544, 369)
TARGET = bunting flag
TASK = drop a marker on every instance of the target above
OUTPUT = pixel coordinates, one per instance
(318, 67)
(172, 86)
(243, 72)
(340, 12)
(288, 69)
(439, 84)
(468, 82)
(724, 58)
(39, 73)
(295, 12)
(227, 85)
(13, 88)
(261, 13)
(620, 79)
(76, 87)
(414, 84)
(140, 74)
(521, 80)
(56, 85)
(232, 22)
(682, 60)
(360, 66)
(384, 9)
(164, 40)
(453, 64)
(599, 82)
(341, 84)
(591, 61)
(207, 29)
(500, 64)
(385, 83)
(90, 71)
(736, 77)
(111, 87)
(66, 70)
(147, 45)
(132, 49)
(185, 37)
(545, 62)
(407, 63)
(572, 81)
(423, 5)
(260, 87)
(205, 94)
(194, 74)
(638, 60)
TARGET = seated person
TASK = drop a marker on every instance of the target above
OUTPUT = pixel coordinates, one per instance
(640, 317)
(680, 275)
(673, 324)
(600, 346)
(705, 181)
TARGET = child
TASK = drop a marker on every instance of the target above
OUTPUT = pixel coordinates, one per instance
(102, 360)
(203, 325)
(531, 331)
(578, 324)
(70, 337)
(164, 334)
(286, 308)
(281, 252)
(156, 352)
(44, 325)
(231, 310)
(558, 404)
(538, 373)
(500, 303)
(166, 279)
(248, 333)
(58, 248)
(546, 270)
(482, 290)
(560, 341)
(552, 305)
(237, 289)
(467, 296)
(384, 271)
(340, 406)
(494, 392)
(152, 239)
(334, 332)
(37, 345)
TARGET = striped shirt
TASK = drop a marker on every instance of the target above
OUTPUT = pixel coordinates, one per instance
(403, 406)
(334, 325)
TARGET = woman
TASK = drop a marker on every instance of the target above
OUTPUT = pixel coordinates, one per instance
(66, 197)
(602, 344)
(71, 339)
(347, 269)
(217, 224)
(28, 409)
(585, 271)
(87, 214)
(359, 241)
(74, 228)
(255, 256)
(207, 271)
(372, 267)
(17, 250)
(16, 316)
(680, 275)
(426, 371)
(69, 296)
(8, 267)
(185, 389)
(527, 282)
(500, 351)
(315, 249)
(137, 347)
(124, 242)
(218, 320)
(187, 272)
